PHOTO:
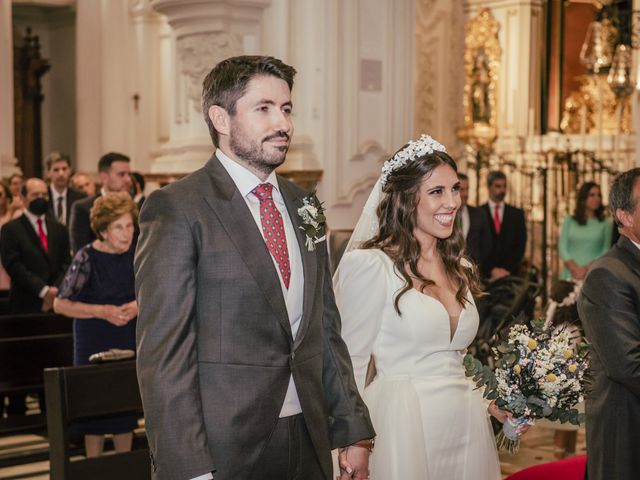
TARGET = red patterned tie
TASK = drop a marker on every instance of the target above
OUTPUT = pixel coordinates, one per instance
(43, 236)
(496, 218)
(273, 229)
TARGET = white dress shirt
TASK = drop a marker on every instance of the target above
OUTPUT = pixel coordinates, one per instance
(54, 201)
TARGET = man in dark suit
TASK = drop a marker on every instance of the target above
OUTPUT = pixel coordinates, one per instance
(61, 197)
(508, 231)
(35, 252)
(475, 227)
(115, 176)
(609, 307)
(241, 365)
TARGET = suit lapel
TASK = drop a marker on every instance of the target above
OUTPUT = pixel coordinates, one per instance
(235, 217)
(309, 259)
(52, 238)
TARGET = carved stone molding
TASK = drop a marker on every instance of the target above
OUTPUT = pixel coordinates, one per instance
(198, 53)
(371, 153)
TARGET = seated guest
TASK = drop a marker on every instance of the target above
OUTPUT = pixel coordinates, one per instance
(83, 183)
(475, 227)
(585, 235)
(98, 292)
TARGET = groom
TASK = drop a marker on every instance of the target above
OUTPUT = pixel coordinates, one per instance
(241, 366)
(609, 307)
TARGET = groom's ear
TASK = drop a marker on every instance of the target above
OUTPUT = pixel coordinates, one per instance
(624, 217)
(220, 119)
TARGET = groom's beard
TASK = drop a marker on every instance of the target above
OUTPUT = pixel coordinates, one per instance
(265, 158)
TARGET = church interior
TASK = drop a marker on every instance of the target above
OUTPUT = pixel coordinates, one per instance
(541, 90)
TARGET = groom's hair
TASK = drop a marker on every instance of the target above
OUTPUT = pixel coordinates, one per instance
(228, 81)
(621, 193)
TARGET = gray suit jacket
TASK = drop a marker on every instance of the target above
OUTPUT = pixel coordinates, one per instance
(609, 307)
(215, 349)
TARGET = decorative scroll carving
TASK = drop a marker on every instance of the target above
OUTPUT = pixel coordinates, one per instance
(481, 66)
(198, 53)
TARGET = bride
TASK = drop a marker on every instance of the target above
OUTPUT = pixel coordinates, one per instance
(404, 292)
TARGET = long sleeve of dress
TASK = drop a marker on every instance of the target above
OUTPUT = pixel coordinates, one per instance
(563, 240)
(360, 286)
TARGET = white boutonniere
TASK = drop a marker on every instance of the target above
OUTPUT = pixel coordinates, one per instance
(313, 219)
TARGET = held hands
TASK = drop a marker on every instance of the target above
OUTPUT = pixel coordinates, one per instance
(119, 315)
(354, 463)
(503, 415)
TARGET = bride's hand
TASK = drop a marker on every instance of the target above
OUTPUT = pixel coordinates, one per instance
(503, 415)
(500, 415)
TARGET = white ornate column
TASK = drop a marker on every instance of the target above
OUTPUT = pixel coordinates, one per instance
(7, 161)
(521, 28)
(103, 83)
(203, 33)
(150, 35)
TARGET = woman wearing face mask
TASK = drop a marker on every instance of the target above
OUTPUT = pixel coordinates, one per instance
(98, 292)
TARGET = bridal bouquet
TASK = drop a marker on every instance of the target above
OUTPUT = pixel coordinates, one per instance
(539, 374)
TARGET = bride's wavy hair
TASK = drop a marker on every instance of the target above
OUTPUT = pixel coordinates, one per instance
(397, 217)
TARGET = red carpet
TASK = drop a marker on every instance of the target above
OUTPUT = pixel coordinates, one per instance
(567, 469)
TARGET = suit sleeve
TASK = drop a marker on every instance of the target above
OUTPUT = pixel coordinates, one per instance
(165, 268)
(608, 307)
(11, 254)
(350, 415)
(79, 227)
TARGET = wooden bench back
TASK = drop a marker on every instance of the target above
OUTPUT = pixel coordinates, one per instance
(85, 391)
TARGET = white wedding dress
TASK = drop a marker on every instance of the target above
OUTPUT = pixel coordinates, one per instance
(431, 424)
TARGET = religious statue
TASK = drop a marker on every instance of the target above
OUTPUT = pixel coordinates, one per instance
(481, 111)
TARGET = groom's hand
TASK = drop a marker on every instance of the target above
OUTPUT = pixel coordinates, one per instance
(354, 463)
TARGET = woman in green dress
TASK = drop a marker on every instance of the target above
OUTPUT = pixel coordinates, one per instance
(585, 235)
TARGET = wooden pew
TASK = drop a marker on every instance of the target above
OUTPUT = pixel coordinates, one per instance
(89, 391)
(28, 345)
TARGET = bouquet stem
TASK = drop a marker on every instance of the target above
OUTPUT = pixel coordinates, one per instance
(509, 438)
(506, 444)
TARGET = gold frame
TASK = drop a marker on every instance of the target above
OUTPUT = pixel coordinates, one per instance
(481, 33)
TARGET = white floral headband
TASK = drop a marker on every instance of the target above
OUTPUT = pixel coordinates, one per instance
(424, 146)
